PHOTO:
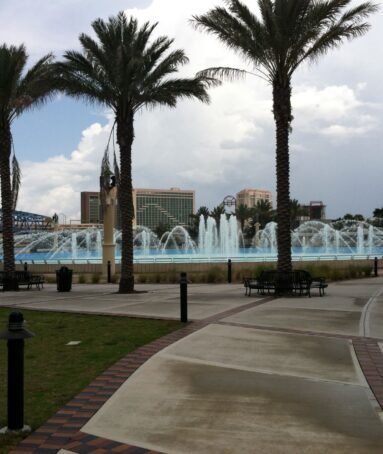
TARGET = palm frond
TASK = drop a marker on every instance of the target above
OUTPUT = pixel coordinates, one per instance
(330, 33)
(16, 181)
(38, 86)
(116, 168)
(105, 177)
(224, 73)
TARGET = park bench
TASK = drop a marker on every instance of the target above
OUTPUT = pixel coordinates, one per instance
(22, 278)
(299, 282)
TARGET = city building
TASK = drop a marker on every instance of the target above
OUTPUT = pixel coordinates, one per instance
(152, 207)
(91, 211)
(250, 197)
(167, 207)
(314, 211)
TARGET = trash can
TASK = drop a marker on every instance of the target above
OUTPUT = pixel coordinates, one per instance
(64, 279)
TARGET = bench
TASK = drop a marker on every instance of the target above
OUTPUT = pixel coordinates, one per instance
(22, 278)
(298, 282)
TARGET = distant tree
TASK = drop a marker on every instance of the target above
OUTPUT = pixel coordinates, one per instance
(216, 213)
(161, 228)
(242, 213)
(263, 212)
(195, 220)
(20, 90)
(378, 213)
(353, 217)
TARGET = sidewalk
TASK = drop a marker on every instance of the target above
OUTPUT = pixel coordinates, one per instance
(285, 375)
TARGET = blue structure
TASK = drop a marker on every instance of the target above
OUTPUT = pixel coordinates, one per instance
(28, 222)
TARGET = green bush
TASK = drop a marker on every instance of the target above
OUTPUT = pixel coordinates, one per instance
(215, 275)
(352, 271)
(96, 277)
(172, 277)
(81, 279)
(335, 274)
(142, 279)
(367, 270)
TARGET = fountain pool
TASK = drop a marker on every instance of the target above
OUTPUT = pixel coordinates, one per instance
(312, 240)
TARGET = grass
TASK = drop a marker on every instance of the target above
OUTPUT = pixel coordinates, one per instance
(55, 372)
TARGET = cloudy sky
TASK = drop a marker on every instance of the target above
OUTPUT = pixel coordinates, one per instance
(216, 149)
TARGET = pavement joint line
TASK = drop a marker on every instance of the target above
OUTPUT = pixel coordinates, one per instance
(298, 331)
(365, 316)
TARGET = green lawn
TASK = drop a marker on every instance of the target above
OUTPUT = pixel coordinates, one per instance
(55, 372)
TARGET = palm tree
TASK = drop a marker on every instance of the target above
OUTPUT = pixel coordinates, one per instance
(123, 71)
(287, 33)
(242, 213)
(20, 90)
(193, 227)
(263, 212)
(216, 213)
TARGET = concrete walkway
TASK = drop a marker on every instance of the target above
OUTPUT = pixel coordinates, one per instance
(283, 375)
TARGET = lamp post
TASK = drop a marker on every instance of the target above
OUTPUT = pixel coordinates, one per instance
(15, 335)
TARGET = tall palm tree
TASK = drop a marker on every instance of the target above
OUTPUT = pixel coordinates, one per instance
(125, 72)
(20, 90)
(283, 35)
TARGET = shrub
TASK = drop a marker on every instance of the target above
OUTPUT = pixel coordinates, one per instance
(215, 275)
(96, 277)
(336, 274)
(81, 279)
(352, 271)
(367, 270)
(142, 278)
(172, 277)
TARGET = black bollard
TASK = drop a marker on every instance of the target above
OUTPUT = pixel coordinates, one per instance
(376, 266)
(184, 297)
(229, 271)
(15, 335)
(109, 273)
(25, 267)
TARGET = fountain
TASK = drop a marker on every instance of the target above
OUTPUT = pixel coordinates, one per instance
(216, 242)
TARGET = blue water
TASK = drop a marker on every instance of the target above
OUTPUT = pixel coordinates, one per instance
(170, 255)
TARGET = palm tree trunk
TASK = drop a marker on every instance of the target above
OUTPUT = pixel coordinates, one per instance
(283, 118)
(125, 137)
(6, 200)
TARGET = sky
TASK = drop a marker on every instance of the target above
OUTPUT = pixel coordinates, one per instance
(216, 149)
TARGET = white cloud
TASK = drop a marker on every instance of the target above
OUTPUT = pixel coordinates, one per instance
(55, 185)
(228, 145)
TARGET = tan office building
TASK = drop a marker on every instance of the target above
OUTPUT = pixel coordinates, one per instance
(91, 212)
(250, 197)
(169, 207)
